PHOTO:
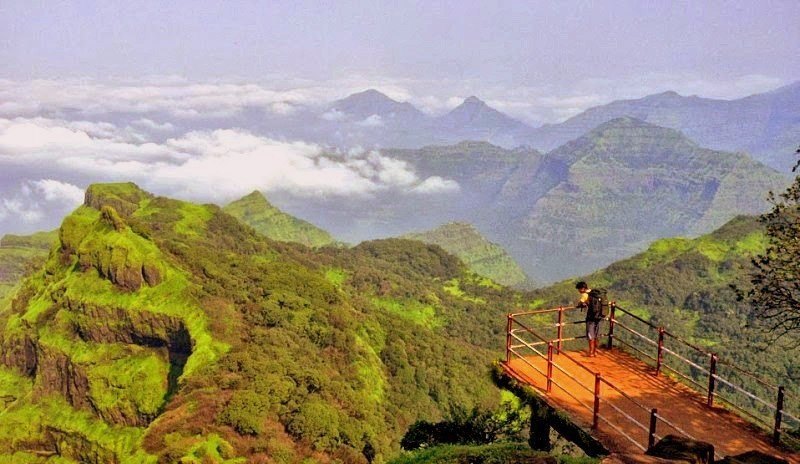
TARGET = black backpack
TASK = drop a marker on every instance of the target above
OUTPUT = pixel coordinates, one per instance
(597, 305)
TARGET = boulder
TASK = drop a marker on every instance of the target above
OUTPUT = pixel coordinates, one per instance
(684, 449)
(753, 457)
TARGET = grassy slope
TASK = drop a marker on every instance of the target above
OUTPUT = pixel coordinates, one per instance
(294, 353)
(256, 211)
(19, 253)
(480, 255)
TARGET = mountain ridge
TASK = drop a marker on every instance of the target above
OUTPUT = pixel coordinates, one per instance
(631, 170)
(256, 211)
(159, 329)
(372, 102)
(470, 246)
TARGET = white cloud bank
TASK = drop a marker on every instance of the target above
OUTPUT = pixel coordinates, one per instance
(214, 165)
(180, 98)
(36, 198)
(61, 192)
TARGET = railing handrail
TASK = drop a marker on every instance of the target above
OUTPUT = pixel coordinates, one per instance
(598, 379)
(713, 376)
(706, 353)
(667, 333)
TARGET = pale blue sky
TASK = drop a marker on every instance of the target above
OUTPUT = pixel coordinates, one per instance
(517, 43)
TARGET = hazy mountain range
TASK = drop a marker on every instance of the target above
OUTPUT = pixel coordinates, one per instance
(767, 125)
(534, 203)
(584, 205)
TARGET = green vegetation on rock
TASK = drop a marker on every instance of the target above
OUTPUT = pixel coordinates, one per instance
(625, 184)
(257, 212)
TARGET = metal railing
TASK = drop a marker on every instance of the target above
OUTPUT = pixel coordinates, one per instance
(657, 349)
(538, 345)
(707, 364)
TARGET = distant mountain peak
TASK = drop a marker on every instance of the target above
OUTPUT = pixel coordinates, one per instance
(472, 104)
(625, 122)
(371, 95)
(474, 112)
(668, 94)
(256, 211)
(372, 92)
(372, 102)
(255, 196)
(473, 100)
(621, 134)
(485, 258)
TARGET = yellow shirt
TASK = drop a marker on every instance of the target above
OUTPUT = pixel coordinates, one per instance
(584, 297)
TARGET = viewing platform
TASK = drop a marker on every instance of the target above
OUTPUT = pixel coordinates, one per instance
(639, 389)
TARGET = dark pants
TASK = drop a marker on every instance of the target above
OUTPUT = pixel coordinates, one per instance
(592, 329)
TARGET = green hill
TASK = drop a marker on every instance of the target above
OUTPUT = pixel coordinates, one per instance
(39, 240)
(479, 254)
(684, 285)
(159, 330)
(19, 254)
(256, 211)
(623, 185)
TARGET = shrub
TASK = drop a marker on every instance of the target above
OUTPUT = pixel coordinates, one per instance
(245, 412)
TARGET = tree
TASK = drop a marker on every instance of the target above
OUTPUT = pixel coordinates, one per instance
(775, 292)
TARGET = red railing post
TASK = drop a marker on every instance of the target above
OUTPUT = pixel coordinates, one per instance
(596, 411)
(660, 356)
(776, 433)
(549, 366)
(611, 315)
(508, 337)
(651, 436)
(712, 372)
(560, 326)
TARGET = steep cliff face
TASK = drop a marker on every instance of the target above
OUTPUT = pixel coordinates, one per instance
(98, 329)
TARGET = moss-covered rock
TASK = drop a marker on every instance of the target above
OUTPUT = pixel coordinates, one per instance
(125, 198)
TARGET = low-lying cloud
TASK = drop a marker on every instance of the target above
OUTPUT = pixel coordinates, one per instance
(35, 199)
(179, 98)
(211, 165)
